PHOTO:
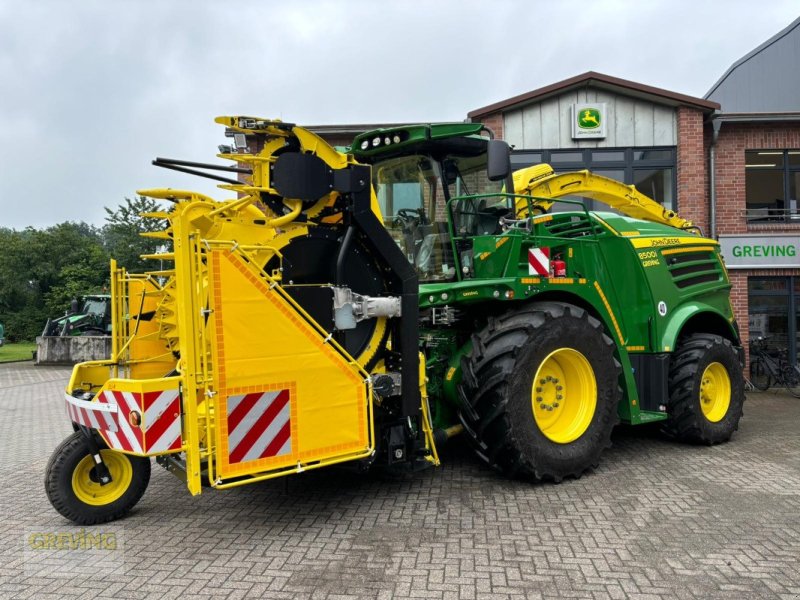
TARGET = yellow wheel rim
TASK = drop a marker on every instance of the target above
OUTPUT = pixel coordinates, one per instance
(715, 392)
(564, 395)
(86, 486)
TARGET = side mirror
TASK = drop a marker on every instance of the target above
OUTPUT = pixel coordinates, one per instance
(498, 164)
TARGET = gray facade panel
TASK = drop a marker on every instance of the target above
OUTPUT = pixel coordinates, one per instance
(766, 80)
(548, 124)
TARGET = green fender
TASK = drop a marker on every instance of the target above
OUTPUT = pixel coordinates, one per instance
(678, 319)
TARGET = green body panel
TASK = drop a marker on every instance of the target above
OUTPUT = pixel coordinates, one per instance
(410, 138)
(604, 273)
(443, 355)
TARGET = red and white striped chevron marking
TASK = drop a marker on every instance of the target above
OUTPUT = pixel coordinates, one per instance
(539, 261)
(91, 414)
(159, 414)
(259, 426)
(162, 421)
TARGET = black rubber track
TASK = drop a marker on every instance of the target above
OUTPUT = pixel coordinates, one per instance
(686, 419)
(58, 484)
(495, 390)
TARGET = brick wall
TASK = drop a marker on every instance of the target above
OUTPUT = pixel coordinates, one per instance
(733, 140)
(692, 192)
(494, 122)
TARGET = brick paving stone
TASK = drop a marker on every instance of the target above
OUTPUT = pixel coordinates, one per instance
(657, 520)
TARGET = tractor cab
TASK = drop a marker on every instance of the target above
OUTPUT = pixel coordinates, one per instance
(91, 318)
(417, 171)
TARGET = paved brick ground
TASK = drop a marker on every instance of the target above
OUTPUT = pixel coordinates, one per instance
(657, 520)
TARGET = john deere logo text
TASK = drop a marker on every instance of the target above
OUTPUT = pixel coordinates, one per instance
(589, 118)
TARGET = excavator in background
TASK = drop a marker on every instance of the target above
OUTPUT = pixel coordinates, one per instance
(361, 307)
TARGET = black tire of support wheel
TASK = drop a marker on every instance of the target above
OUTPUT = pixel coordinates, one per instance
(686, 419)
(495, 391)
(58, 484)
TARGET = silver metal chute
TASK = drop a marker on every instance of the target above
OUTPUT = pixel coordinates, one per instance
(349, 308)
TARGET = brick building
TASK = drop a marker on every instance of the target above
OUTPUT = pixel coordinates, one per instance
(754, 177)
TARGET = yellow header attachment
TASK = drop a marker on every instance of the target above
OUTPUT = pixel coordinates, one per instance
(541, 181)
(273, 137)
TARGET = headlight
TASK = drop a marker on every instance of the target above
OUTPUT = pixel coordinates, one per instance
(396, 138)
(376, 141)
(365, 144)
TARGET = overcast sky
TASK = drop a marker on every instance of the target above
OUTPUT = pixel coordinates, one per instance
(92, 91)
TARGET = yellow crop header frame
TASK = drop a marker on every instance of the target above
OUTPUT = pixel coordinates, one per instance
(249, 359)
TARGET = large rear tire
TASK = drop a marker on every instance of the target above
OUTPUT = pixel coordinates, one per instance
(706, 390)
(73, 488)
(540, 391)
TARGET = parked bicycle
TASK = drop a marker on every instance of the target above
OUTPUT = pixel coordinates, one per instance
(772, 368)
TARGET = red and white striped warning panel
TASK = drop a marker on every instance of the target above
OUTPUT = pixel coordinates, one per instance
(91, 414)
(539, 261)
(259, 426)
(144, 423)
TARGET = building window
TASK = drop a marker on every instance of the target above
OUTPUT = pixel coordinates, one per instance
(651, 170)
(656, 183)
(775, 312)
(772, 186)
(520, 160)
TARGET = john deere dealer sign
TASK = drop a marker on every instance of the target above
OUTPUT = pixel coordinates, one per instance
(589, 121)
(760, 251)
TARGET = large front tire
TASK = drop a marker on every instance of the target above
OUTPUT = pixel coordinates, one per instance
(706, 390)
(540, 391)
(73, 488)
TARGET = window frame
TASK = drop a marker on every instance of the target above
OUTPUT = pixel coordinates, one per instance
(788, 218)
(628, 165)
(792, 295)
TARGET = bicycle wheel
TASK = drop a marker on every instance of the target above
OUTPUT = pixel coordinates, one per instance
(791, 377)
(759, 375)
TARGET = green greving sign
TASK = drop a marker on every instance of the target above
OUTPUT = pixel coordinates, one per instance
(589, 120)
(762, 251)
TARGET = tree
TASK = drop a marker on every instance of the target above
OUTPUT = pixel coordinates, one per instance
(42, 270)
(121, 234)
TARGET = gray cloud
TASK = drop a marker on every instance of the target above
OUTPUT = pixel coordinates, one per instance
(92, 91)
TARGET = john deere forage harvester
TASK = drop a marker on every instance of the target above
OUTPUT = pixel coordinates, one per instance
(362, 307)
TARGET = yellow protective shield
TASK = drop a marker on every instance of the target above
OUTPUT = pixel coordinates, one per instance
(285, 395)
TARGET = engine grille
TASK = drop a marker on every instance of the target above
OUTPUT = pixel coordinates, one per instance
(694, 268)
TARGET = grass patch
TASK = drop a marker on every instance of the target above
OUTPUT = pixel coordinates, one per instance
(19, 351)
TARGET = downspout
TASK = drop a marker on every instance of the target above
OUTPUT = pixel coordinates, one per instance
(716, 124)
